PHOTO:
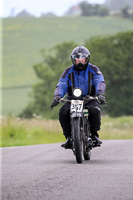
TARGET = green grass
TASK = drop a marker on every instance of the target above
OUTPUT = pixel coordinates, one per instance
(24, 38)
(17, 132)
(117, 128)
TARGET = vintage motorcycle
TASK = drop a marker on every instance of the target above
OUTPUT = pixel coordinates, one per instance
(82, 143)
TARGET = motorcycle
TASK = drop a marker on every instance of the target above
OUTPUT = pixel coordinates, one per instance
(81, 140)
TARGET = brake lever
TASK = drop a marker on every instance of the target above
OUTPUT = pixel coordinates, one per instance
(97, 100)
(61, 100)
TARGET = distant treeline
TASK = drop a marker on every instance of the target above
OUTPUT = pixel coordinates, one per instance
(123, 8)
(112, 54)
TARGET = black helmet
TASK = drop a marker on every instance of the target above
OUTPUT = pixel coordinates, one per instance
(80, 57)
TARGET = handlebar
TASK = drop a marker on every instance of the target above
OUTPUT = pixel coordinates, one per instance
(87, 98)
(90, 98)
(64, 100)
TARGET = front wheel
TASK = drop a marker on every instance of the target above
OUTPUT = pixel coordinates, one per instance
(77, 139)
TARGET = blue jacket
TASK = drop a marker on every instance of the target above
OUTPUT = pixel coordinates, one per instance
(72, 78)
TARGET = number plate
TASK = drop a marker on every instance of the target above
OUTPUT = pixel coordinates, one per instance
(76, 106)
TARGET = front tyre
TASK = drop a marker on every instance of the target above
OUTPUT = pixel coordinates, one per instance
(77, 139)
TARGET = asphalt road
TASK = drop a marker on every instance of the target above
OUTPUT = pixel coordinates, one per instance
(49, 172)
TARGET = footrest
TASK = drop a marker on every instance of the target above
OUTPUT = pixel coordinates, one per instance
(96, 145)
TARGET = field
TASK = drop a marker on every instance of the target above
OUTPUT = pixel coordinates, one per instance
(15, 98)
(23, 40)
(17, 132)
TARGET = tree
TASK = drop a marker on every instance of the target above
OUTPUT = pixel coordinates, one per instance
(114, 56)
(86, 8)
(125, 12)
(24, 14)
(103, 11)
(93, 9)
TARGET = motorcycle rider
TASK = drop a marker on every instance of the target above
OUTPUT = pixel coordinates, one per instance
(90, 80)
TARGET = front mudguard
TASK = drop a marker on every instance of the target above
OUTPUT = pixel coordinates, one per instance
(74, 114)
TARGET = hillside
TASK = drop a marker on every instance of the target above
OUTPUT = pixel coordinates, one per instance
(23, 39)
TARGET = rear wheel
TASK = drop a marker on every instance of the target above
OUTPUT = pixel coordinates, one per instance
(77, 139)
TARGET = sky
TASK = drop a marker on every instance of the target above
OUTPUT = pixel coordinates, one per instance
(37, 7)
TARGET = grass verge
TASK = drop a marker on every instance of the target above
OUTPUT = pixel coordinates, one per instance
(117, 128)
(18, 132)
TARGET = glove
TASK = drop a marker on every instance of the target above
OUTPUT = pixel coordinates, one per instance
(56, 101)
(101, 99)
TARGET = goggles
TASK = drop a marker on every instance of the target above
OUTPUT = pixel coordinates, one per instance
(77, 61)
(80, 58)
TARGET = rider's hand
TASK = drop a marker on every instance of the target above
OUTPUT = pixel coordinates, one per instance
(101, 99)
(56, 101)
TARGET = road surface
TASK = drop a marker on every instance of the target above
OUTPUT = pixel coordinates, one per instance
(49, 172)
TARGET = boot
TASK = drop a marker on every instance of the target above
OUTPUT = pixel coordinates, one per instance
(67, 144)
(96, 140)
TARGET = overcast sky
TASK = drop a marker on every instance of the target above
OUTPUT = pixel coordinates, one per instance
(37, 7)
